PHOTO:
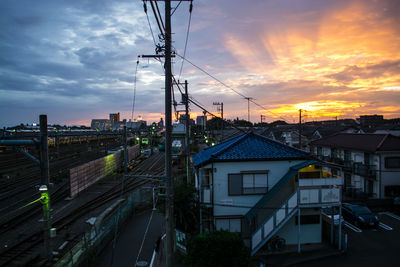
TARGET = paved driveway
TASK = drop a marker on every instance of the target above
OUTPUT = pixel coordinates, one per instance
(369, 247)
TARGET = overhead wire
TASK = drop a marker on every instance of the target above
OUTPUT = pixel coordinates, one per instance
(176, 8)
(134, 90)
(227, 86)
(162, 29)
(148, 21)
(159, 14)
(187, 37)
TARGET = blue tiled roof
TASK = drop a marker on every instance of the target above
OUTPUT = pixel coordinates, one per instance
(248, 146)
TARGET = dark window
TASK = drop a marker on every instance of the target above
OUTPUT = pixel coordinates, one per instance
(308, 219)
(205, 178)
(248, 183)
(392, 162)
(319, 151)
(235, 184)
(347, 155)
(334, 153)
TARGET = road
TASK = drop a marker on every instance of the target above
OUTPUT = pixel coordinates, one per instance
(369, 247)
(136, 242)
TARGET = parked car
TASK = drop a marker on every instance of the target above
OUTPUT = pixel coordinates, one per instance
(328, 212)
(359, 215)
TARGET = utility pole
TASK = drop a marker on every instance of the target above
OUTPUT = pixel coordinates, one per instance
(169, 209)
(262, 117)
(187, 132)
(248, 107)
(204, 122)
(300, 128)
(45, 180)
(220, 109)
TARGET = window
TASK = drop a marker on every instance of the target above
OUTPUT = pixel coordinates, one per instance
(307, 219)
(229, 224)
(205, 178)
(392, 162)
(319, 151)
(347, 155)
(248, 183)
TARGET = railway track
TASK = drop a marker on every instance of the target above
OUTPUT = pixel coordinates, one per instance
(25, 250)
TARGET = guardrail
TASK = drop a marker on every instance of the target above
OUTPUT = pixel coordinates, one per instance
(274, 223)
(97, 237)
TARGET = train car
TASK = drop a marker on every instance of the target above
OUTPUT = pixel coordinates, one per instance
(176, 148)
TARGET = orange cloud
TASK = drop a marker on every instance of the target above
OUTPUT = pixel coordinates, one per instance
(353, 46)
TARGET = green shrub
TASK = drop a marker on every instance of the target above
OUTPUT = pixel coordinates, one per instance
(219, 249)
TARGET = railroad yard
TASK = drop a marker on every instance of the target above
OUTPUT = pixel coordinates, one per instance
(21, 215)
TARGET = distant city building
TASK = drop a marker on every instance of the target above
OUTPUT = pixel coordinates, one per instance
(201, 120)
(135, 125)
(371, 120)
(101, 124)
(114, 118)
(182, 119)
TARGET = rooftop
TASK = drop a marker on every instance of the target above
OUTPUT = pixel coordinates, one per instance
(248, 147)
(362, 142)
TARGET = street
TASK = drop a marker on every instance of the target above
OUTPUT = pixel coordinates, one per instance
(369, 247)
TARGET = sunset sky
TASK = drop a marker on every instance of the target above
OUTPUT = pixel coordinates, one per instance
(75, 60)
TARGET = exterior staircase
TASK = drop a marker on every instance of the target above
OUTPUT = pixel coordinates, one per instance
(273, 223)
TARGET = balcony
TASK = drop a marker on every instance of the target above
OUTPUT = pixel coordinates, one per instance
(206, 195)
(319, 196)
(368, 171)
(317, 182)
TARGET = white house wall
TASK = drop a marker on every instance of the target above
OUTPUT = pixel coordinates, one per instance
(225, 205)
(388, 176)
(309, 233)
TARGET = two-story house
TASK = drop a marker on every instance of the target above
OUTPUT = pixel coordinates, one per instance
(261, 188)
(371, 162)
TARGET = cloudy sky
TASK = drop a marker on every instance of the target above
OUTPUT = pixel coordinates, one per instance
(75, 60)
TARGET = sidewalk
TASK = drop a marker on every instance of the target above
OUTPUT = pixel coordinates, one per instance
(130, 242)
(290, 257)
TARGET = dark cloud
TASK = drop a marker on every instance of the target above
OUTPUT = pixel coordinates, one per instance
(382, 69)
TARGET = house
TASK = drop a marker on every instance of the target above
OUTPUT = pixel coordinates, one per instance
(261, 188)
(371, 162)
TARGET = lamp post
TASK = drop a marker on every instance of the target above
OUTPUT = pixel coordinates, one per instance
(45, 200)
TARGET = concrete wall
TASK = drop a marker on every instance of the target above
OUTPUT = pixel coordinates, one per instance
(389, 176)
(239, 205)
(83, 176)
(309, 233)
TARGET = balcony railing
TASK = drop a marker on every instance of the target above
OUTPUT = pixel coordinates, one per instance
(315, 182)
(364, 170)
(206, 195)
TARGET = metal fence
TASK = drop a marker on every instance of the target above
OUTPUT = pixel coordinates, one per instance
(83, 253)
(87, 174)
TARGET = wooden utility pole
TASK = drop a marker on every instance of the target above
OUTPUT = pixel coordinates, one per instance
(262, 117)
(45, 180)
(187, 133)
(248, 107)
(169, 214)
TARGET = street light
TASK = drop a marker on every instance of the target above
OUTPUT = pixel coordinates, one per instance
(45, 200)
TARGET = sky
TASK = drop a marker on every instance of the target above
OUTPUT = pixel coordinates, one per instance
(76, 60)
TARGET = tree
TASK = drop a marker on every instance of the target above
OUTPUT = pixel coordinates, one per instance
(186, 208)
(278, 122)
(218, 248)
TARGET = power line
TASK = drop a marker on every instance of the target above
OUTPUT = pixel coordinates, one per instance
(148, 21)
(187, 37)
(229, 87)
(134, 90)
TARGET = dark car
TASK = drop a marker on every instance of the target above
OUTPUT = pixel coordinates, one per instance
(359, 215)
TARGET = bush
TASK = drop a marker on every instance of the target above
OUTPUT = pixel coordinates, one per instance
(218, 248)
